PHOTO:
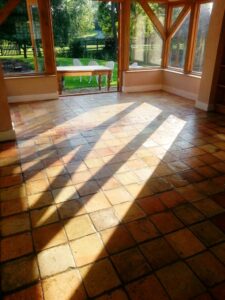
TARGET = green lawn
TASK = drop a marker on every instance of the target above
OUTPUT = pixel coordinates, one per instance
(71, 83)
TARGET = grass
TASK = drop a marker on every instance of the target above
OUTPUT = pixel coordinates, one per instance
(71, 83)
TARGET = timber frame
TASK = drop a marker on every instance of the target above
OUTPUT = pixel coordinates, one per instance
(166, 31)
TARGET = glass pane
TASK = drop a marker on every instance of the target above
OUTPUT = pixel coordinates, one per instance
(178, 45)
(204, 18)
(160, 11)
(175, 12)
(16, 53)
(145, 42)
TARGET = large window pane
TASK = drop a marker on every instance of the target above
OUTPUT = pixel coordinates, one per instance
(145, 42)
(160, 11)
(178, 45)
(175, 12)
(20, 40)
(204, 18)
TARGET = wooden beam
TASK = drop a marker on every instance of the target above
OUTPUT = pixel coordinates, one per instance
(124, 40)
(179, 20)
(7, 9)
(192, 36)
(47, 36)
(166, 45)
(153, 18)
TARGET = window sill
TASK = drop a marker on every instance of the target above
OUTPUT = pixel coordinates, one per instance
(25, 76)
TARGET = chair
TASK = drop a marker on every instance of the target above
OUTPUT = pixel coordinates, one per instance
(77, 62)
(110, 64)
(93, 63)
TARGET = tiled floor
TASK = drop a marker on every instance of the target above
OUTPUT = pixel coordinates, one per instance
(113, 197)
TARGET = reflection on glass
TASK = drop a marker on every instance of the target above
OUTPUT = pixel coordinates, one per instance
(178, 45)
(204, 18)
(145, 42)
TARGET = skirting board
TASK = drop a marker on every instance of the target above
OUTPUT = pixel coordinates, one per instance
(179, 92)
(8, 135)
(142, 88)
(204, 106)
(31, 98)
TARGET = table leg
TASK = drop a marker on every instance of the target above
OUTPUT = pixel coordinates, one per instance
(109, 80)
(100, 82)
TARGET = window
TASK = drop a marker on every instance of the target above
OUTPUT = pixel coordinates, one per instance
(160, 11)
(145, 42)
(178, 45)
(204, 18)
(175, 12)
(20, 41)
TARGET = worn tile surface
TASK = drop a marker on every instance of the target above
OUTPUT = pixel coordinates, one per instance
(113, 197)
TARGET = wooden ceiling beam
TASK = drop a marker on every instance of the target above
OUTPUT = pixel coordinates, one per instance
(7, 9)
(153, 18)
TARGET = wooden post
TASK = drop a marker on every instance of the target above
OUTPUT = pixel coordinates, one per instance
(166, 46)
(124, 40)
(192, 35)
(47, 36)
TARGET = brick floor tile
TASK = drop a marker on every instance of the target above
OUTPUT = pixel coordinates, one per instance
(15, 246)
(49, 236)
(184, 243)
(142, 230)
(44, 216)
(105, 218)
(18, 273)
(188, 214)
(78, 227)
(130, 264)
(189, 286)
(159, 253)
(15, 224)
(208, 233)
(55, 260)
(166, 222)
(31, 293)
(146, 288)
(117, 239)
(83, 255)
(99, 277)
(208, 268)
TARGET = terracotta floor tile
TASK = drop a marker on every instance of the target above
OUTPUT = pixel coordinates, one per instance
(108, 183)
(118, 294)
(128, 211)
(159, 253)
(44, 216)
(166, 222)
(208, 233)
(15, 224)
(142, 230)
(95, 202)
(130, 264)
(78, 227)
(146, 287)
(99, 277)
(10, 180)
(40, 200)
(79, 177)
(8, 208)
(184, 243)
(15, 192)
(139, 190)
(64, 286)
(171, 199)
(207, 171)
(219, 198)
(179, 272)
(31, 293)
(65, 193)
(19, 273)
(118, 195)
(55, 260)
(87, 188)
(104, 218)
(55, 171)
(209, 207)
(219, 251)
(10, 170)
(218, 291)
(70, 209)
(219, 221)
(176, 180)
(49, 236)
(151, 204)
(82, 252)
(190, 193)
(37, 186)
(117, 239)
(188, 214)
(127, 178)
(60, 181)
(208, 268)
(15, 246)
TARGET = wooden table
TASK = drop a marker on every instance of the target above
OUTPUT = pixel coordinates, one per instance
(84, 71)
